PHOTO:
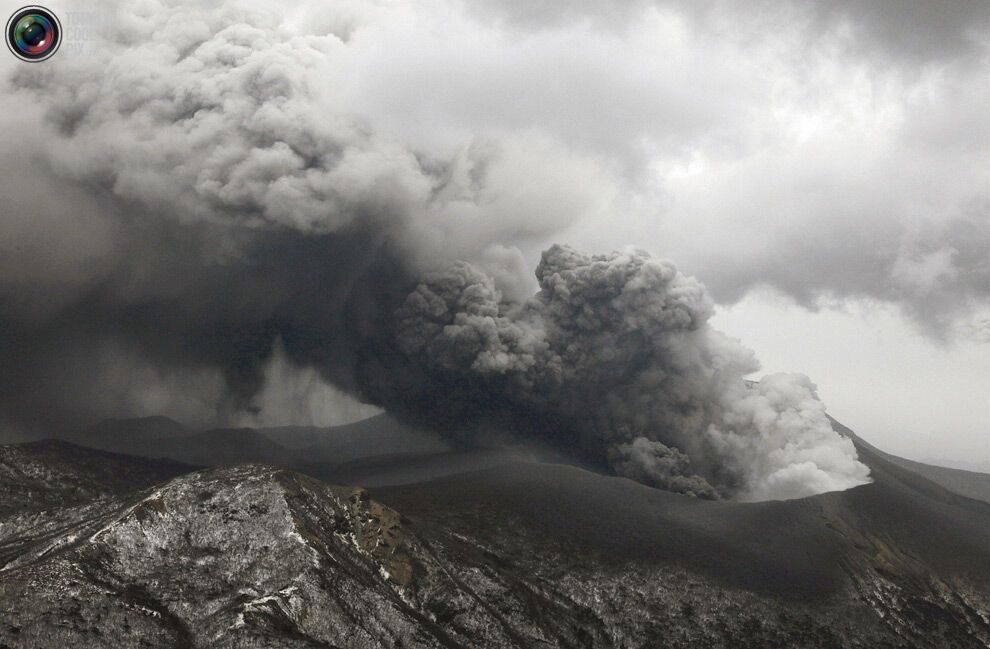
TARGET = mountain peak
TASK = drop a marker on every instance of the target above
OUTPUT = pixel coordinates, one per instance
(290, 551)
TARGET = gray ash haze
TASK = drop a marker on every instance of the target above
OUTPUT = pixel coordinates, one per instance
(281, 213)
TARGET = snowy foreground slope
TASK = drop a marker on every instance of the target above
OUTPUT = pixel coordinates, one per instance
(102, 550)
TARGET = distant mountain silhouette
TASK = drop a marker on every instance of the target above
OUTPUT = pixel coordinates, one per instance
(132, 436)
(221, 446)
(378, 435)
(160, 437)
(972, 484)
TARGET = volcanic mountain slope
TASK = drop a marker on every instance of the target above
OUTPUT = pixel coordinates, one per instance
(971, 484)
(131, 436)
(222, 446)
(376, 451)
(348, 442)
(899, 562)
(49, 473)
(963, 482)
(409, 468)
(160, 437)
(526, 555)
(254, 556)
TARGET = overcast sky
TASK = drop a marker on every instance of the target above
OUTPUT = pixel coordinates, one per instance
(820, 166)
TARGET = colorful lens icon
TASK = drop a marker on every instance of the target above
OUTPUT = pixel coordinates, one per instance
(33, 33)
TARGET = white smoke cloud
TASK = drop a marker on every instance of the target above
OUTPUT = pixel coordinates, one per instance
(776, 433)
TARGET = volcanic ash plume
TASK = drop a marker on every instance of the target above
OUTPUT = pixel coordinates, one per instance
(217, 201)
(614, 357)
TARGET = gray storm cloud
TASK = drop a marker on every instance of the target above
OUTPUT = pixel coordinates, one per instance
(231, 209)
(912, 30)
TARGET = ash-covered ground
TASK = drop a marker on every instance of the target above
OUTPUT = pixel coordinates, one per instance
(106, 550)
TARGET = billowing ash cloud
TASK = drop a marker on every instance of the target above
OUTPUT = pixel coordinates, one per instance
(614, 357)
(211, 200)
(222, 206)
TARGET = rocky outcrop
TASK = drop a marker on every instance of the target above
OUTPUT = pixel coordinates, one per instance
(251, 556)
(245, 556)
(537, 556)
